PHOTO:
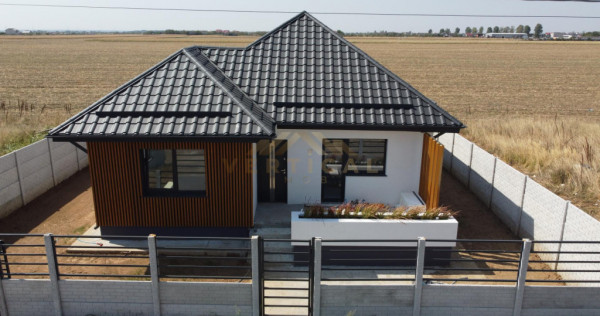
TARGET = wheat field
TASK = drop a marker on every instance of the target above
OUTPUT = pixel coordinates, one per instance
(534, 104)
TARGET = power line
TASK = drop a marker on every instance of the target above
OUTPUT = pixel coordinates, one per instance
(292, 12)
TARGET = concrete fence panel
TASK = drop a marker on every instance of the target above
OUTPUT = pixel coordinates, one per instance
(482, 174)
(560, 301)
(10, 188)
(82, 159)
(64, 160)
(30, 171)
(35, 170)
(580, 226)
(187, 298)
(461, 159)
(345, 299)
(467, 300)
(447, 140)
(86, 297)
(28, 297)
(507, 197)
(542, 217)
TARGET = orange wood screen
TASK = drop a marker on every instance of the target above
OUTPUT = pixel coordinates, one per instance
(431, 171)
(117, 187)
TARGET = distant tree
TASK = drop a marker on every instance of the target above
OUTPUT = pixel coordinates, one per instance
(481, 29)
(430, 32)
(474, 29)
(489, 30)
(527, 30)
(512, 29)
(442, 32)
(538, 30)
(456, 31)
(506, 29)
(520, 28)
(340, 33)
(496, 29)
(447, 31)
(468, 30)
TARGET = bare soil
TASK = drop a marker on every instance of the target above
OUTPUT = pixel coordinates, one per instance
(476, 221)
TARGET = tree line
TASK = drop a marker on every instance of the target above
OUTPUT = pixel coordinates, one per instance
(537, 31)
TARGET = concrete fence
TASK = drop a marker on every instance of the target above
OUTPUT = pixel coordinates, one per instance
(55, 296)
(32, 170)
(526, 207)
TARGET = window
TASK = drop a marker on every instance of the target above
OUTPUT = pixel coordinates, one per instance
(366, 156)
(354, 157)
(169, 172)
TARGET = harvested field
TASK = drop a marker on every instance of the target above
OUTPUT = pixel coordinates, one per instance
(535, 104)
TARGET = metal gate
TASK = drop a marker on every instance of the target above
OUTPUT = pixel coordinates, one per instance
(286, 270)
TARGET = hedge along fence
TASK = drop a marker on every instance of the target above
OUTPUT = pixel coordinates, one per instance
(526, 207)
(32, 170)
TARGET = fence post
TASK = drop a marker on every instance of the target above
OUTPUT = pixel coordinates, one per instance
(421, 242)
(53, 273)
(452, 153)
(154, 274)
(523, 263)
(562, 233)
(255, 253)
(317, 277)
(19, 178)
(493, 181)
(470, 169)
(518, 231)
(51, 161)
(3, 306)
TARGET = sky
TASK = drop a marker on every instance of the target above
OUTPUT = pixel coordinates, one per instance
(36, 18)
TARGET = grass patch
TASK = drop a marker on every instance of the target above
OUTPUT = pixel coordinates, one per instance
(80, 230)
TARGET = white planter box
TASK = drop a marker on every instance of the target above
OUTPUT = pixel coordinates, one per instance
(374, 229)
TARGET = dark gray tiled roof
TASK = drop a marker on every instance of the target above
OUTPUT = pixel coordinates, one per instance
(183, 96)
(302, 72)
(300, 75)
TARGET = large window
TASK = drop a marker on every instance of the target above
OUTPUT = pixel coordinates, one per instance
(354, 156)
(170, 172)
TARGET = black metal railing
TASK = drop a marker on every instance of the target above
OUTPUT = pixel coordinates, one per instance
(289, 265)
(369, 260)
(209, 258)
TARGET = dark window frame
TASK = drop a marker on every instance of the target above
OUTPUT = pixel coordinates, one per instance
(147, 191)
(345, 157)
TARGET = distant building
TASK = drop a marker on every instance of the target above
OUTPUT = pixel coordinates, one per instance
(563, 35)
(11, 31)
(507, 35)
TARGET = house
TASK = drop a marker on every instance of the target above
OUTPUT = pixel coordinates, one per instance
(300, 115)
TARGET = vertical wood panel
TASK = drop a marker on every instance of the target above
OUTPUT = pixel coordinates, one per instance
(431, 171)
(116, 178)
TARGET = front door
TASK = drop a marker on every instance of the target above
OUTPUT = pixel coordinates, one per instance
(272, 170)
(333, 180)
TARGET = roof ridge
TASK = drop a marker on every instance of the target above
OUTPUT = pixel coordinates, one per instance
(277, 29)
(233, 91)
(111, 94)
(380, 66)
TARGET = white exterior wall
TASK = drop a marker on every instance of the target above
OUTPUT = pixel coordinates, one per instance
(403, 165)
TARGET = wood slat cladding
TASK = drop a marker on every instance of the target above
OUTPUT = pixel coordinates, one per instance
(431, 171)
(115, 169)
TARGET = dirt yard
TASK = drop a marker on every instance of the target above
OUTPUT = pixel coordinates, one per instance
(68, 210)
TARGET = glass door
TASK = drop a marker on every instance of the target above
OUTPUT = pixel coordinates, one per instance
(333, 179)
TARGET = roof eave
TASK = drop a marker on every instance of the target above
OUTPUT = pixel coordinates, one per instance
(154, 138)
(372, 127)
